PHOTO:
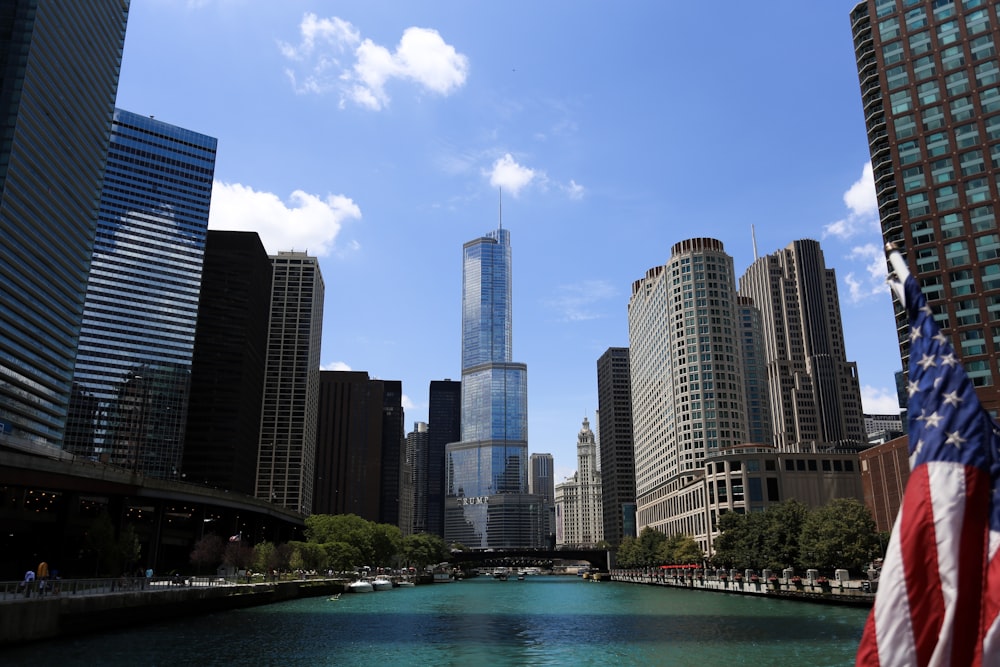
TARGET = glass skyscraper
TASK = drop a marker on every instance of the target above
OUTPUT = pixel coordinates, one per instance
(487, 483)
(133, 369)
(59, 64)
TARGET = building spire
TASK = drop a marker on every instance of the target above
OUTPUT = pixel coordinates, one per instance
(500, 205)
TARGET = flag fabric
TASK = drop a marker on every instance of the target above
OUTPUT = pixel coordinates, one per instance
(236, 538)
(936, 604)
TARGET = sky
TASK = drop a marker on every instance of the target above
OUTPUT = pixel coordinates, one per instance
(380, 136)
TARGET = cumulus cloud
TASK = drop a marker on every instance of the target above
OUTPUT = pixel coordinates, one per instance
(575, 190)
(421, 57)
(306, 222)
(862, 205)
(335, 366)
(510, 176)
(872, 281)
(575, 303)
(879, 400)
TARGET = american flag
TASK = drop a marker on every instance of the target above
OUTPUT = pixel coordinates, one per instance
(939, 590)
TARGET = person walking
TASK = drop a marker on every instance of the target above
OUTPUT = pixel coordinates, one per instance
(28, 583)
(43, 576)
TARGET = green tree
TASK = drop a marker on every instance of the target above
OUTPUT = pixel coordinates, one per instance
(342, 556)
(129, 549)
(387, 542)
(207, 551)
(840, 535)
(349, 528)
(648, 546)
(100, 541)
(681, 549)
(627, 556)
(781, 534)
(424, 549)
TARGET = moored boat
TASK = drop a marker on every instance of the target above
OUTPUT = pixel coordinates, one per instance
(382, 583)
(360, 586)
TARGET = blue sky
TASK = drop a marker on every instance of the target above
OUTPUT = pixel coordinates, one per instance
(377, 135)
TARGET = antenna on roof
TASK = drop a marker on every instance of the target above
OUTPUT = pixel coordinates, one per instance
(500, 205)
(753, 237)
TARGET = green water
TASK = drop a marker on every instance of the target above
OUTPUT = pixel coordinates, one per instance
(481, 622)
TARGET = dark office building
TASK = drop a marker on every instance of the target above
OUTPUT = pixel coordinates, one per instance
(444, 425)
(349, 445)
(227, 373)
(614, 400)
(59, 64)
(930, 90)
(393, 450)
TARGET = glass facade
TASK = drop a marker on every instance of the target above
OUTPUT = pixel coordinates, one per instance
(492, 458)
(132, 378)
(59, 66)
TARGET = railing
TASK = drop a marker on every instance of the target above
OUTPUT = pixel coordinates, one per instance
(39, 590)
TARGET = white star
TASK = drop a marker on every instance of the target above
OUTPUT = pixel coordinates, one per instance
(912, 387)
(933, 419)
(919, 447)
(926, 310)
(940, 338)
(926, 361)
(955, 439)
(914, 334)
(949, 359)
(951, 398)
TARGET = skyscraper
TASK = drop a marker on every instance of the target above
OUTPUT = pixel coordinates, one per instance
(227, 374)
(542, 483)
(413, 498)
(579, 521)
(617, 453)
(137, 337)
(814, 393)
(59, 65)
(930, 89)
(488, 505)
(444, 425)
(393, 445)
(288, 421)
(686, 366)
(349, 445)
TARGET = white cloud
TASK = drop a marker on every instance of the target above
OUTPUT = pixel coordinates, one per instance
(872, 284)
(575, 190)
(335, 366)
(422, 57)
(306, 223)
(509, 175)
(879, 400)
(862, 205)
(407, 403)
(574, 303)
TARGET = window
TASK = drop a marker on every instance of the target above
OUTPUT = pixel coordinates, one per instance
(897, 76)
(892, 53)
(913, 179)
(946, 197)
(899, 102)
(961, 109)
(956, 253)
(942, 171)
(972, 162)
(917, 204)
(982, 218)
(938, 144)
(982, 47)
(977, 190)
(987, 73)
(956, 83)
(888, 29)
(927, 93)
(987, 247)
(924, 68)
(909, 151)
(933, 118)
(951, 225)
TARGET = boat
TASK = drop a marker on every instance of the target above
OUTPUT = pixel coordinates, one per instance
(381, 583)
(360, 586)
(335, 597)
(405, 583)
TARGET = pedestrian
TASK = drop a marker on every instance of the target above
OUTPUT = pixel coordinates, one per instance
(43, 576)
(29, 581)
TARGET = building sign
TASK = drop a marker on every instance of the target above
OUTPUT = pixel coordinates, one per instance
(475, 500)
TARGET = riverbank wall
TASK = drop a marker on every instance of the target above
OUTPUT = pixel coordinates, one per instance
(28, 620)
(854, 593)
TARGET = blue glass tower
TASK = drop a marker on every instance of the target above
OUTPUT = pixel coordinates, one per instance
(133, 368)
(487, 501)
(59, 64)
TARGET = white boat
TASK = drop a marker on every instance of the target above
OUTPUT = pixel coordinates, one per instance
(405, 583)
(360, 586)
(382, 584)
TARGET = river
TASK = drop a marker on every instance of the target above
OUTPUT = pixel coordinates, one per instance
(543, 620)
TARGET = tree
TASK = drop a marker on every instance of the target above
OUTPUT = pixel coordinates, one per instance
(207, 551)
(100, 539)
(680, 549)
(782, 530)
(387, 541)
(424, 549)
(628, 553)
(648, 547)
(840, 535)
(349, 528)
(238, 555)
(341, 556)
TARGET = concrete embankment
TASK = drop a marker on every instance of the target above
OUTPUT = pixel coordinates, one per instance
(32, 619)
(851, 593)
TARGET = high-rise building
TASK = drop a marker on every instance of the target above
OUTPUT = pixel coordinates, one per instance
(814, 392)
(393, 451)
(487, 502)
(444, 425)
(288, 423)
(617, 453)
(755, 372)
(227, 372)
(579, 509)
(930, 88)
(348, 477)
(542, 483)
(59, 64)
(137, 336)
(413, 497)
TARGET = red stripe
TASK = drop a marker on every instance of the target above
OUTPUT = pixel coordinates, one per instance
(920, 565)
(868, 648)
(971, 567)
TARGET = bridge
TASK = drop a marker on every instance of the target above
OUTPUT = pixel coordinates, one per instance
(598, 558)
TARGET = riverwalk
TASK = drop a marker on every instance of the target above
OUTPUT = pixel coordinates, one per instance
(807, 589)
(83, 606)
